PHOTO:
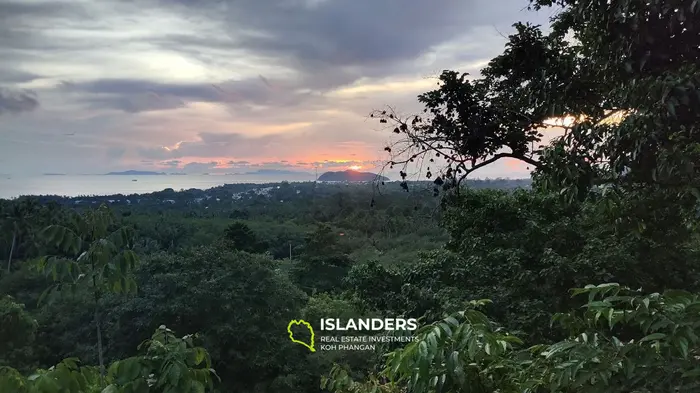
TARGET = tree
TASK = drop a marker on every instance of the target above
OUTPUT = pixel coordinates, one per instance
(15, 218)
(323, 263)
(626, 92)
(237, 302)
(168, 364)
(91, 252)
(623, 341)
(17, 329)
(239, 236)
(627, 86)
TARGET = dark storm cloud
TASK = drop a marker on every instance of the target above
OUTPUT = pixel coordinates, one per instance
(16, 101)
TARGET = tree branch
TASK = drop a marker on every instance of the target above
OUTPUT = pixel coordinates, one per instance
(497, 157)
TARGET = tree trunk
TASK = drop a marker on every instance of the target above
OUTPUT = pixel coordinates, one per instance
(12, 250)
(99, 347)
(98, 326)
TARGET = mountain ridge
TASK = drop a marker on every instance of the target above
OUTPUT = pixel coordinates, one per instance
(351, 176)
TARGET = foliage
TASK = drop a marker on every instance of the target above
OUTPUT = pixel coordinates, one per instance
(239, 236)
(17, 331)
(67, 376)
(168, 365)
(627, 80)
(20, 221)
(323, 262)
(101, 257)
(190, 281)
(237, 302)
(90, 249)
(17, 327)
(622, 341)
(525, 249)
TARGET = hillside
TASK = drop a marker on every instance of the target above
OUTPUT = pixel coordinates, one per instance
(351, 176)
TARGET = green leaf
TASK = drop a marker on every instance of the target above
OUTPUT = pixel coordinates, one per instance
(652, 337)
(671, 108)
(694, 373)
(683, 346)
(452, 321)
(110, 389)
(695, 193)
(423, 350)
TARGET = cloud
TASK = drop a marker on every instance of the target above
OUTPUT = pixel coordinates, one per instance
(16, 101)
(210, 145)
(116, 152)
(134, 96)
(199, 166)
(221, 167)
(328, 44)
(16, 76)
(239, 83)
(238, 167)
(171, 163)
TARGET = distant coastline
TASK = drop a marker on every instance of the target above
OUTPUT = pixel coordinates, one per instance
(74, 186)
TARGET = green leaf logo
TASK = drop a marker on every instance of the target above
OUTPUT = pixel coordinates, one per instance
(294, 322)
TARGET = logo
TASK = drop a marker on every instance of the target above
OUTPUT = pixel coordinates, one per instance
(371, 324)
(377, 331)
(302, 322)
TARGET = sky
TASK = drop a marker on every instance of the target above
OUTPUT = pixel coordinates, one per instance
(226, 86)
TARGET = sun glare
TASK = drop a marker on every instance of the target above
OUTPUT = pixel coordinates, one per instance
(612, 117)
(355, 167)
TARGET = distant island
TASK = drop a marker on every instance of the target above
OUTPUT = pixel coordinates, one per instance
(54, 174)
(352, 176)
(135, 173)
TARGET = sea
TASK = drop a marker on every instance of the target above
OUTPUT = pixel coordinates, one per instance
(86, 185)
